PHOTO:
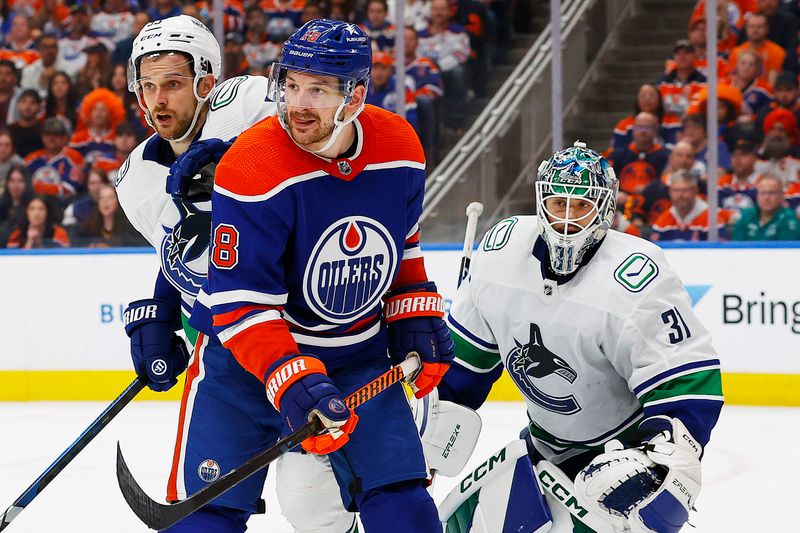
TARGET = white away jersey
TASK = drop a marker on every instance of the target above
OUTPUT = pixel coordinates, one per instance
(180, 231)
(591, 355)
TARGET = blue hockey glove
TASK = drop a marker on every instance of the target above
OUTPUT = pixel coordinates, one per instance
(188, 165)
(414, 315)
(159, 355)
(298, 386)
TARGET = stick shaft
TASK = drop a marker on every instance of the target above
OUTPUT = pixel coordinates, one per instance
(72, 450)
(474, 211)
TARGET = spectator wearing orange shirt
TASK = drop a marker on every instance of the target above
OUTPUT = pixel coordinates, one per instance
(772, 54)
(19, 45)
(782, 29)
(681, 84)
(38, 229)
(687, 217)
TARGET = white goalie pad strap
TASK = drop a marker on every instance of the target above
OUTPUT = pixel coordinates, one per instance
(500, 495)
(449, 433)
(309, 496)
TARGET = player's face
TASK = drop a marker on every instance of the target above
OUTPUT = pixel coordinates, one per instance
(165, 86)
(311, 103)
(574, 213)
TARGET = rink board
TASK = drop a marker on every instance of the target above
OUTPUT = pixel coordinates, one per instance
(63, 337)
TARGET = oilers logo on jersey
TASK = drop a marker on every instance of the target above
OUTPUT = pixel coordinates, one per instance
(184, 245)
(533, 360)
(350, 268)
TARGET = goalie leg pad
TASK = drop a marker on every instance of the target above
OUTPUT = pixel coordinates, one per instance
(448, 432)
(309, 496)
(499, 496)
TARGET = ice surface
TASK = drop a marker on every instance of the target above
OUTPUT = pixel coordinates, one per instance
(749, 467)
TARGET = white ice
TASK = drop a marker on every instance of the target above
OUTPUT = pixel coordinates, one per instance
(750, 468)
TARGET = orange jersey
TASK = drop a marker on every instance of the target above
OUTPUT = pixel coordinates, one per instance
(670, 227)
(772, 54)
(20, 58)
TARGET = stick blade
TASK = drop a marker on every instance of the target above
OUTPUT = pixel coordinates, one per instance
(148, 510)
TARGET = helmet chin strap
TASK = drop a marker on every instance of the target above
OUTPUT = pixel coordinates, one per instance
(197, 110)
(338, 126)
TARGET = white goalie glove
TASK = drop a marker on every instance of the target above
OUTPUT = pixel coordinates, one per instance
(648, 489)
(448, 431)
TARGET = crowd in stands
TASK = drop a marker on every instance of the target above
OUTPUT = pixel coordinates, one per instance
(68, 121)
(659, 153)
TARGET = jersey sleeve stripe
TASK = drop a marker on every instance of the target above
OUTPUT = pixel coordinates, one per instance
(412, 253)
(226, 319)
(395, 164)
(231, 331)
(470, 337)
(688, 368)
(675, 399)
(241, 295)
(414, 232)
(272, 192)
(334, 342)
(707, 382)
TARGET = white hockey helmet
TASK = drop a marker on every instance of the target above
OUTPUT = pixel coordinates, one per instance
(575, 175)
(182, 34)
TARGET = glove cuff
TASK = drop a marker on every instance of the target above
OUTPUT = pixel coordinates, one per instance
(414, 301)
(288, 370)
(150, 310)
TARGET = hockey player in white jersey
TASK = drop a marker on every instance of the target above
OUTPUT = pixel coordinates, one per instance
(621, 381)
(164, 188)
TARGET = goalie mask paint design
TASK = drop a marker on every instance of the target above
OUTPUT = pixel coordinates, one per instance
(585, 189)
(533, 361)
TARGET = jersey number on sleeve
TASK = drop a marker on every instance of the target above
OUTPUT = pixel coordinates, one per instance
(226, 247)
(672, 318)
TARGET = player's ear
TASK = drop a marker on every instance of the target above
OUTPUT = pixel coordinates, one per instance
(205, 85)
(359, 95)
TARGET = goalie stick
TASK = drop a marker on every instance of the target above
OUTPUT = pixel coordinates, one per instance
(160, 516)
(69, 454)
(474, 210)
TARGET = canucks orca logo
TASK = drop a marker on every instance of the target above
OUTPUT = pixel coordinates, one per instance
(533, 361)
(350, 269)
(184, 250)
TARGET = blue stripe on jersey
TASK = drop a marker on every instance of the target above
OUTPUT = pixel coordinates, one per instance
(698, 415)
(466, 333)
(671, 372)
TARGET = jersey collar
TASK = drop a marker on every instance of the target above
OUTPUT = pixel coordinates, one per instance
(542, 253)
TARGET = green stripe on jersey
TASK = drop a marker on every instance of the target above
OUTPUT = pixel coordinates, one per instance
(190, 332)
(702, 382)
(625, 435)
(472, 355)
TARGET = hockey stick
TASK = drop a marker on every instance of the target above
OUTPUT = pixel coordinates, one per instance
(160, 516)
(69, 454)
(474, 210)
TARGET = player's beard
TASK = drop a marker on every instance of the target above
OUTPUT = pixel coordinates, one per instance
(316, 133)
(178, 126)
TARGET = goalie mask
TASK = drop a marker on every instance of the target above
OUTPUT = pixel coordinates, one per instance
(182, 35)
(576, 193)
(338, 54)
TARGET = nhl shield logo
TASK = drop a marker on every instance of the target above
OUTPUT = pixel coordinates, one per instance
(349, 269)
(344, 167)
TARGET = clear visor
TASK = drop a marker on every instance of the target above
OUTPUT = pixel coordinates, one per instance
(572, 211)
(152, 72)
(308, 89)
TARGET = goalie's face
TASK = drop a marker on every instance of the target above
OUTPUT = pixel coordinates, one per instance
(165, 86)
(568, 215)
(312, 102)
